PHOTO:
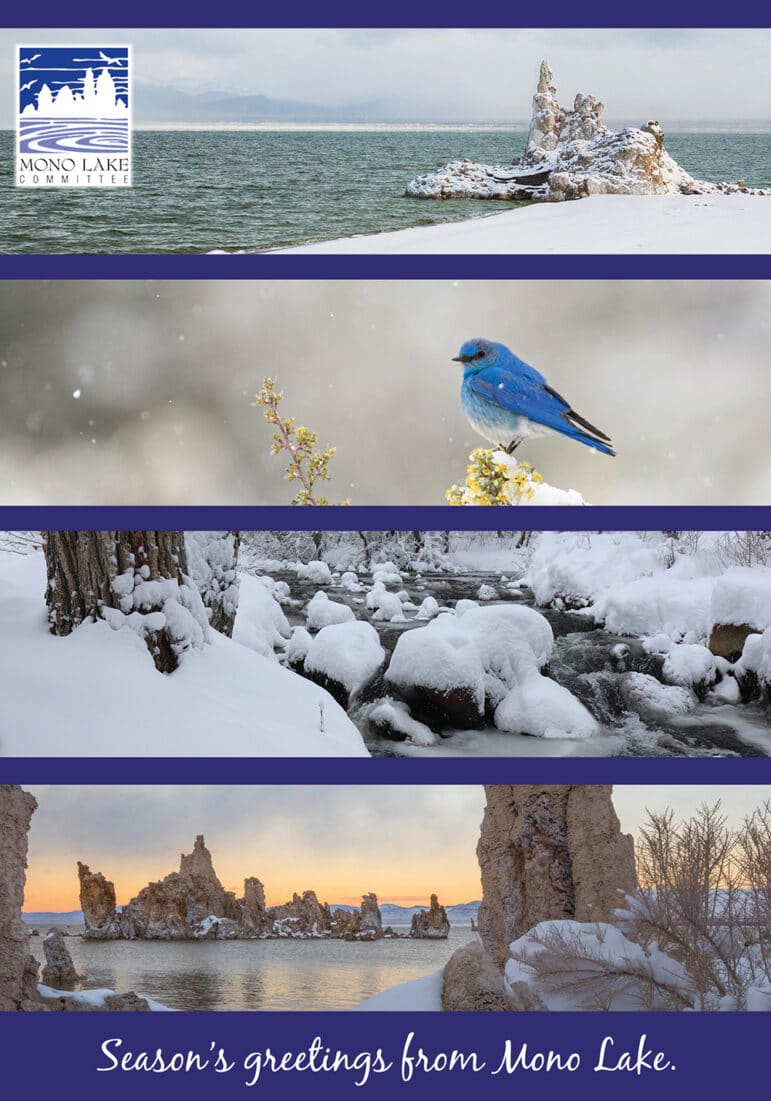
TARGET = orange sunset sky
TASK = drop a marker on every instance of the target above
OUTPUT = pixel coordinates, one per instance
(401, 842)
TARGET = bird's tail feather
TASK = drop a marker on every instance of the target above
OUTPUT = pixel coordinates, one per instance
(590, 441)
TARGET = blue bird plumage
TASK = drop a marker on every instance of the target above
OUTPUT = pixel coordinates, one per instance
(506, 400)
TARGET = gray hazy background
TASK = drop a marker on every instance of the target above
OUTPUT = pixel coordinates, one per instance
(133, 392)
(699, 75)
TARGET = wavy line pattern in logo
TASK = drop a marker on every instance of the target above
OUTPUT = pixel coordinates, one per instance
(83, 136)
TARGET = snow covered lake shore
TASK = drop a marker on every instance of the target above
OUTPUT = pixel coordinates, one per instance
(598, 224)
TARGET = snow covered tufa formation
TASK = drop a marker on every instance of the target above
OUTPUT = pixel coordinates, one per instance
(571, 154)
(192, 904)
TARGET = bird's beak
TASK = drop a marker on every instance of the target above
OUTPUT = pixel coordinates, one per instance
(458, 359)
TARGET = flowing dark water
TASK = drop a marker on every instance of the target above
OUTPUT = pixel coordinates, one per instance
(199, 191)
(582, 662)
(257, 974)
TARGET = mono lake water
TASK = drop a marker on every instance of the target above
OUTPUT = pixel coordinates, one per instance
(195, 191)
(581, 662)
(257, 974)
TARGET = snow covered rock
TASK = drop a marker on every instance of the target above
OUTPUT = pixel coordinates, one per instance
(429, 609)
(299, 645)
(740, 606)
(322, 612)
(391, 719)
(753, 670)
(437, 670)
(344, 658)
(690, 666)
(571, 154)
(544, 709)
(386, 606)
(260, 622)
(317, 572)
(386, 573)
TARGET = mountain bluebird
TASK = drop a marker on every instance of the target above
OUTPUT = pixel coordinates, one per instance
(506, 400)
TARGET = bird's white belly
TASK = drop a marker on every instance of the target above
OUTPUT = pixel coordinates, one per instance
(502, 430)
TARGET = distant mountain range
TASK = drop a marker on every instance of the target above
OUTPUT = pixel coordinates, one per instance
(161, 104)
(460, 914)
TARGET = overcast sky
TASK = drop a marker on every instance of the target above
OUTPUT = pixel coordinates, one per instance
(402, 842)
(678, 74)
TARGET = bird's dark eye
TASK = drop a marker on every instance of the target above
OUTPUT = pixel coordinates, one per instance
(480, 354)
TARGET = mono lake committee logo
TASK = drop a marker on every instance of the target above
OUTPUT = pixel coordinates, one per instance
(73, 124)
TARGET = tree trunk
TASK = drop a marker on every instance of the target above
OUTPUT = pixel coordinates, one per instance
(82, 567)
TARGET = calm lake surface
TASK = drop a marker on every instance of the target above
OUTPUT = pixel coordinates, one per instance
(257, 974)
(199, 191)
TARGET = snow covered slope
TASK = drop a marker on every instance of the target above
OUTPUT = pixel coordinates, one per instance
(97, 692)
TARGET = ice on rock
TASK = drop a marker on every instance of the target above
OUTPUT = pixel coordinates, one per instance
(322, 612)
(260, 621)
(726, 692)
(395, 716)
(486, 592)
(349, 653)
(655, 701)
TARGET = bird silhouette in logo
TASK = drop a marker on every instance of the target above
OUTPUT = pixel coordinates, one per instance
(27, 86)
(506, 400)
(116, 61)
(29, 60)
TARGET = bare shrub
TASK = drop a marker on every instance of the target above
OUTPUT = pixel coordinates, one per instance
(743, 548)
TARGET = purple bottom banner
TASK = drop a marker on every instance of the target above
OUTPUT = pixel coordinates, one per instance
(379, 1055)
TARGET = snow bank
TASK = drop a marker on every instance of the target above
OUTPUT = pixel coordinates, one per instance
(349, 653)
(608, 224)
(417, 996)
(104, 697)
(260, 622)
(742, 597)
(322, 612)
